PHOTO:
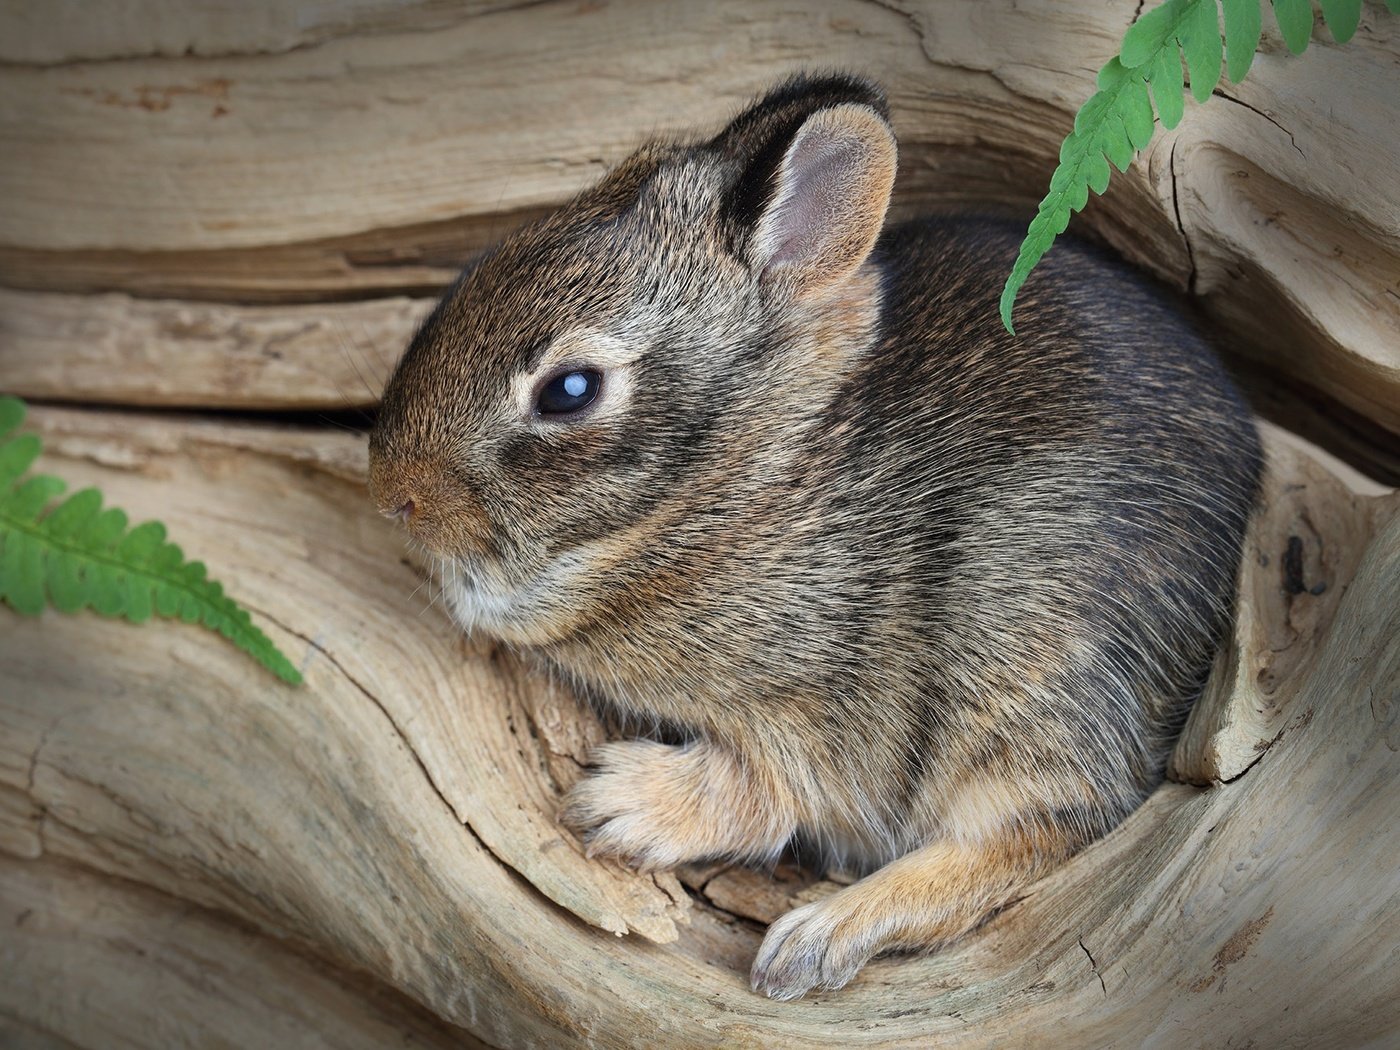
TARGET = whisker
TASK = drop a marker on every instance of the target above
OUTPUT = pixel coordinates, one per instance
(337, 423)
(346, 343)
(372, 352)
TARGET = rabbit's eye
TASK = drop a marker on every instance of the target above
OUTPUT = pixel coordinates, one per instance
(569, 392)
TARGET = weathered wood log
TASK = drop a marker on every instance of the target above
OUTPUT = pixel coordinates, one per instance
(415, 844)
(191, 851)
(209, 979)
(116, 349)
(374, 161)
(1298, 567)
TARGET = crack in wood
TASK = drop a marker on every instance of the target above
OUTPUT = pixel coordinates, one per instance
(1181, 225)
(41, 824)
(1220, 93)
(628, 924)
(408, 746)
(1093, 966)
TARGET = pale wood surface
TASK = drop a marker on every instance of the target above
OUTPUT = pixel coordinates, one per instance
(115, 349)
(212, 205)
(394, 817)
(368, 149)
(1300, 558)
(208, 980)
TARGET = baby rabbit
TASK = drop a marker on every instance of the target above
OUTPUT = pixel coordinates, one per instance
(880, 577)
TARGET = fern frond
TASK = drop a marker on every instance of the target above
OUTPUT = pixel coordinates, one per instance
(1243, 26)
(77, 555)
(1117, 121)
(1114, 124)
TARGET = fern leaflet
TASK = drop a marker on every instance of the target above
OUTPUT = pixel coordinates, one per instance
(77, 555)
(1117, 121)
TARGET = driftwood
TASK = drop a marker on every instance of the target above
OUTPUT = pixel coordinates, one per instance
(393, 819)
(369, 150)
(206, 210)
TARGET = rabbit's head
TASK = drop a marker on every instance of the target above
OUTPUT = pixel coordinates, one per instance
(618, 363)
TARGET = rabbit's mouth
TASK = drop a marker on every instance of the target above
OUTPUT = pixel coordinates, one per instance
(533, 612)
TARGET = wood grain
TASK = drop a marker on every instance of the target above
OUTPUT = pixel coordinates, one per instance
(394, 817)
(213, 206)
(176, 971)
(365, 151)
(120, 350)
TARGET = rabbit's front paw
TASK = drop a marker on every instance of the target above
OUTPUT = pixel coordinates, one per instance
(655, 806)
(628, 809)
(822, 944)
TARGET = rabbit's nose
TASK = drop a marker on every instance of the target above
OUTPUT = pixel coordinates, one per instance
(439, 511)
(399, 504)
(404, 514)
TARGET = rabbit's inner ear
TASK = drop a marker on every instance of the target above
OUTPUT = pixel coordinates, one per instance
(829, 202)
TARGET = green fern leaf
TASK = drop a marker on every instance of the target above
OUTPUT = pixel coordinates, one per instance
(21, 581)
(24, 501)
(1117, 121)
(1150, 33)
(1243, 26)
(1168, 87)
(15, 458)
(65, 577)
(1137, 113)
(78, 555)
(1201, 47)
(1295, 22)
(11, 414)
(1099, 132)
(1342, 18)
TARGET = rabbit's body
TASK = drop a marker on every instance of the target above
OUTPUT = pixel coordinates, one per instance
(911, 589)
(970, 543)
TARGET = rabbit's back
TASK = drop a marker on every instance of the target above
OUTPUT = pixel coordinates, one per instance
(1051, 522)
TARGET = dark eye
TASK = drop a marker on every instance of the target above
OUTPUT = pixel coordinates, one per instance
(569, 392)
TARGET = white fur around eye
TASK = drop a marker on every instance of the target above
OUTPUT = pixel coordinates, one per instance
(584, 349)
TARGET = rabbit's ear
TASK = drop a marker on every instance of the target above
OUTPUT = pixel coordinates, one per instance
(832, 189)
(818, 161)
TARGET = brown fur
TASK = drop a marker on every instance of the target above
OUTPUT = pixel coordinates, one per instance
(862, 570)
(659, 805)
(927, 897)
